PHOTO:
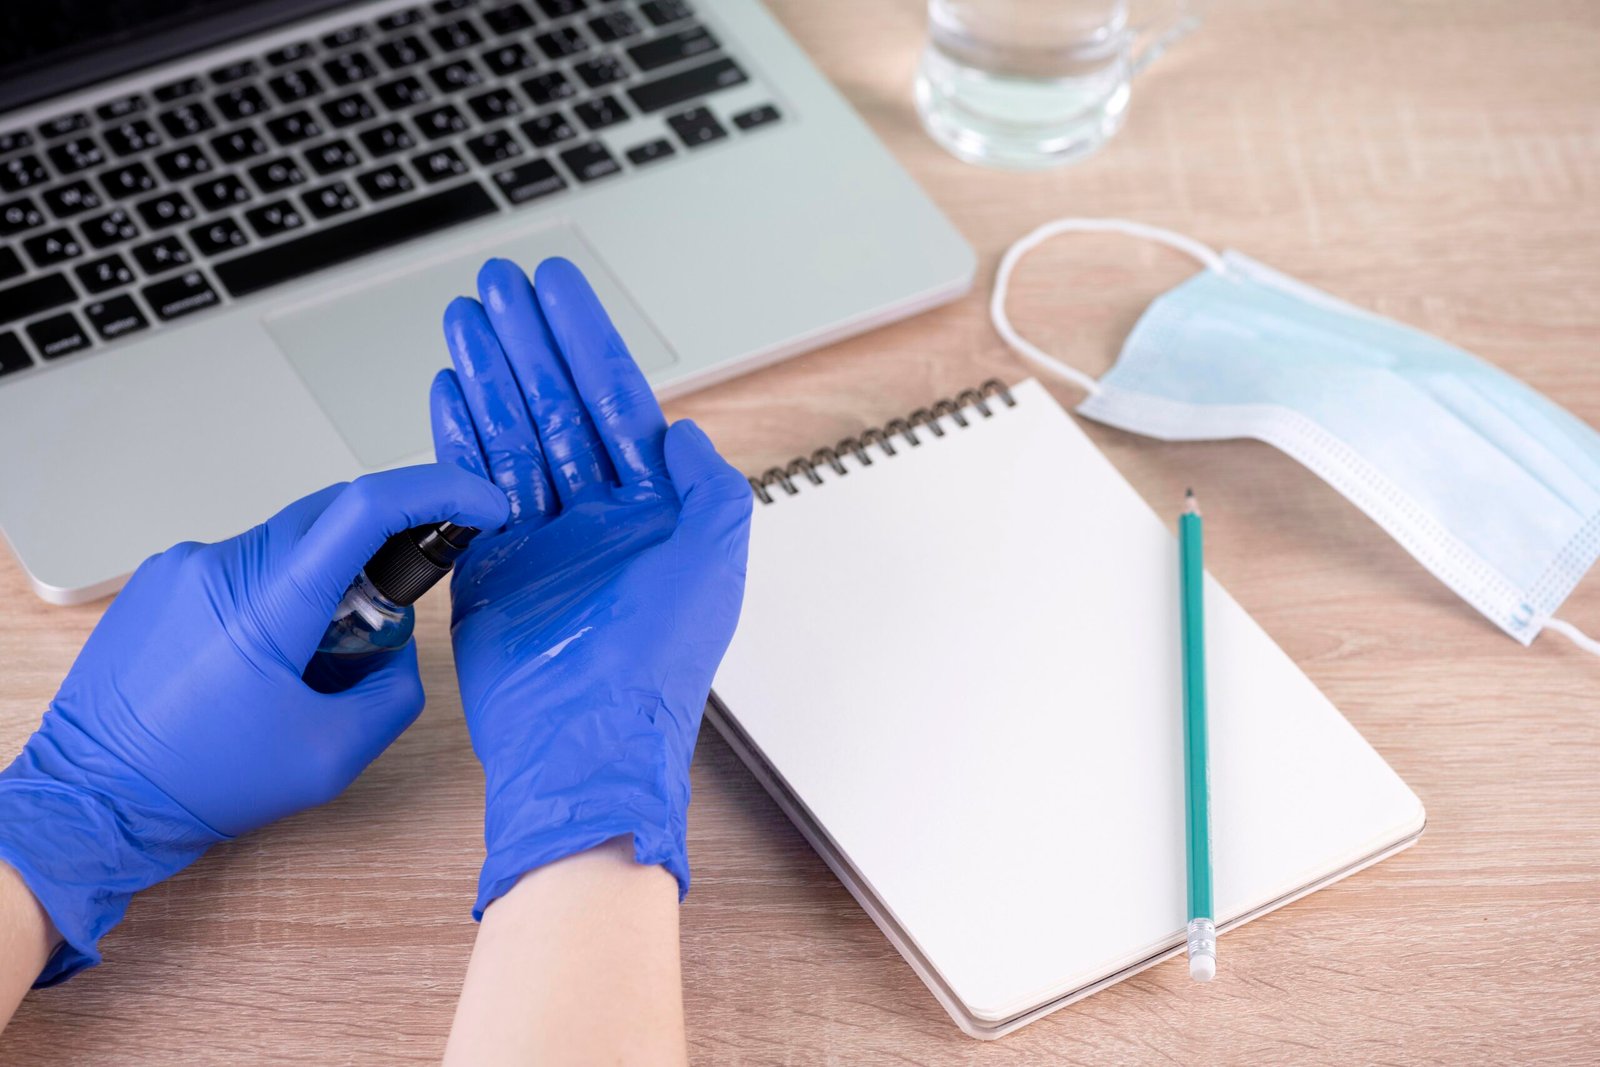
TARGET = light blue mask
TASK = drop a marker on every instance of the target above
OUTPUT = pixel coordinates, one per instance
(1489, 484)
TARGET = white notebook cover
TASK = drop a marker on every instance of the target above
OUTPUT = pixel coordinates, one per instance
(957, 669)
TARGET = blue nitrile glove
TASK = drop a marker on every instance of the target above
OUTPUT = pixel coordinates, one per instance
(588, 630)
(184, 720)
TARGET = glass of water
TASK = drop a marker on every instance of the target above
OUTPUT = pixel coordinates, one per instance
(1035, 83)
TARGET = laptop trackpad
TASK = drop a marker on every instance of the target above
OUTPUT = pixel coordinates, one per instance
(369, 350)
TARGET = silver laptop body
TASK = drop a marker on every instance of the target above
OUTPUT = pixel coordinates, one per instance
(182, 367)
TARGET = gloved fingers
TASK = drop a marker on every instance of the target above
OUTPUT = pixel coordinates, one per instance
(455, 439)
(620, 402)
(576, 458)
(505, 430)
(295, 519)
(357, 522)
(356, 725)
(715, 499)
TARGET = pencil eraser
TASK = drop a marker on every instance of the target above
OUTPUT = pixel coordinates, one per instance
(1202, 968)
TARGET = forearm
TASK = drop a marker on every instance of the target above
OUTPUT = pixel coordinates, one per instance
(26, 941)
(578, 963)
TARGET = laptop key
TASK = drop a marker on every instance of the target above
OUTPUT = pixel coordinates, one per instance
(601, 70)
(613, 26)
(128, 180)
(115, 316)
(14, 139)
(22, 172)
(558, 9)
(74, 198)
(348, 110)
(112, 228)
(455, 76)
(549, 87)
(665, 12)
(590, 161)
(184, 295)
(696, 127)
(295, 85)
(132, 137)
(289, 53)
(651, 152)
(600, 112)
(349, 68)
(385, 182)
(344, 37)
(35, 295)
(233, 72)
(236, 146)
(396, 20)
(218, 236)
(445, 7)
(402, 53)
(223, 191)
(402, 93)
(242, 102)
(120, 108)
(183, 163)
(510, 18)
(529, 181)
(80, 153)
(454, 36)
(13, 356)
(187, 120)
(269, 220)
(293, 128)
(507, 59)
(672, 48)
(107, 272)
(494, 146)
(441, 122)
(326, 201)
(332, 156)
(52, 247)
(19, 215)
(176, 90)
(548, 129)
(277, 174)
(58, 336)
(11, 265)
(165, 210)
(561, 42)
(439, 164)
(686, 85)
(494, 105)
(161, 255)
(756, 116)
(63, 125)
(332, 245)
(387, 139)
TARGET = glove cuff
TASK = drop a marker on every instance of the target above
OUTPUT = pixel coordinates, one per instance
(540, 830)
(72, 845)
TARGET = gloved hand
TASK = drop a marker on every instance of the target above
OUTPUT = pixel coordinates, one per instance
(587, 631)
(184, 720)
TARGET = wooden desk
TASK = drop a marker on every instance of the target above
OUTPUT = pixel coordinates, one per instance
(1436, 162)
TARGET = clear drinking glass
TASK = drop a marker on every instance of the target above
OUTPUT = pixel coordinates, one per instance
(1035, 83)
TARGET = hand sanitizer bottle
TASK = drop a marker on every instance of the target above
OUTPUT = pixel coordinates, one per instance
(376, 616)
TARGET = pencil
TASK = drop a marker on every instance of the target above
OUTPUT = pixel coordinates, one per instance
(1202, 930)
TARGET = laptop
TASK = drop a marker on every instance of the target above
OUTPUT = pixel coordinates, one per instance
(230, 228)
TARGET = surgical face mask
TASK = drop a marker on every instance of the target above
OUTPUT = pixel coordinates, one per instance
(1490, 485)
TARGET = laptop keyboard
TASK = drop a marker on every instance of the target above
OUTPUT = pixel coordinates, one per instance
(159, 205)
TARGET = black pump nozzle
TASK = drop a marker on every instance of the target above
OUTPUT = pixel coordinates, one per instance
(412, 561)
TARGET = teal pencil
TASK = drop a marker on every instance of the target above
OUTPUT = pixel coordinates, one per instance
(1197, 787)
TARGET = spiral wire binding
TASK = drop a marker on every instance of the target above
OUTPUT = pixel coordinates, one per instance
(883, 439)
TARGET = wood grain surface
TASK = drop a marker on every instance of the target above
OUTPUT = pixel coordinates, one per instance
(1437, 162)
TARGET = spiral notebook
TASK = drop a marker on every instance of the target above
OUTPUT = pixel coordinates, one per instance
(957, 672)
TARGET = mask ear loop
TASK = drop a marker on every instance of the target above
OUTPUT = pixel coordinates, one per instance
(1002, 283)
(1573, 634)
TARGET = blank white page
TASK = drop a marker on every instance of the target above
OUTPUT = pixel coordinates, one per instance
(964, 661)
